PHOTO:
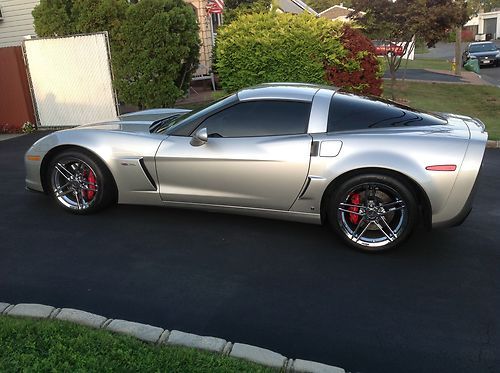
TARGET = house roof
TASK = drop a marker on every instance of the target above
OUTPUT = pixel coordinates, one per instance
(336, 11)
(295, 7)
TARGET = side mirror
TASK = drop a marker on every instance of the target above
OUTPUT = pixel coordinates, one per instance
(200, 137)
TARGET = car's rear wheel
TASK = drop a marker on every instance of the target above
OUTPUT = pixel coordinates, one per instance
(373, 212)
(79, 183)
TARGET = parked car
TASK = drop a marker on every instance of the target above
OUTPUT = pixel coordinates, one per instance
(383, 48)
(371, 168)
(486, 53)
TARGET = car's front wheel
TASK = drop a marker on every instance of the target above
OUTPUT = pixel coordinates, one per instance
(79, 183)
(373, 212)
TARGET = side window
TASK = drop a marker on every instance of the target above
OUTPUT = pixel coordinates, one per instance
(259, 118)
(352, 112)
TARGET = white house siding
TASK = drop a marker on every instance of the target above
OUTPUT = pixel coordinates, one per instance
(492, 18)
(17, 21)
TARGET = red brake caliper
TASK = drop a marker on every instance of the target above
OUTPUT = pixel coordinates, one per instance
(355, 200)
(90, 177)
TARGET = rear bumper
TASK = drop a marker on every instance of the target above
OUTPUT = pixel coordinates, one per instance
(463, 214)
(459, 202)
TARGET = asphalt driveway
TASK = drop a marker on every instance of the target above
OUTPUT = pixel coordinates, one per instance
(432, 306)
(425, 75)
(446, 51)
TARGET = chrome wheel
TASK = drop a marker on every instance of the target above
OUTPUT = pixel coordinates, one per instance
(372, 215)
(74, 183)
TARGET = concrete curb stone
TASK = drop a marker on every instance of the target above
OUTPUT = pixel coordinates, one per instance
(160, 336)
(227, 349)
(495, 144)
(39, 311)
(81, 317)
(258, 355)
(307, 366)
(140, 331)
(54, 313)
(196, 341)
(163, 337)
(3, 307)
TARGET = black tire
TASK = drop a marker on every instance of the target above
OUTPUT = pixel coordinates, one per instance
(79, 182)
(386, 215)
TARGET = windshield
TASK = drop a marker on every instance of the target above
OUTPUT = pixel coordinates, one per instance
(193, 115)
(486, 47)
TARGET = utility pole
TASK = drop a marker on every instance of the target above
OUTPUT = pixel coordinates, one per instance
(458, 51)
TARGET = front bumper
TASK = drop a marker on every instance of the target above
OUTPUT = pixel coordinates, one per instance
(488, 61)
(33, 175)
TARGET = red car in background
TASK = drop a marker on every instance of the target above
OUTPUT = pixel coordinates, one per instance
(383, 48)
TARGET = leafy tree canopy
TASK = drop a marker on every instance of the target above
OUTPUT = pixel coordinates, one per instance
(483, 5)
(400, 20)
(54, 18)
(156, 53)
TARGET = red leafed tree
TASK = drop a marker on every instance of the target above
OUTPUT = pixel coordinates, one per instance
(366, 79)
(399, 21)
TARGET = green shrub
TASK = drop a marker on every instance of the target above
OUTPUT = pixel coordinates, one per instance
(279, 47)
(66, 17)
(154, 44)
(54, 18)
(99, 15)
(236, 8)
(157, 51)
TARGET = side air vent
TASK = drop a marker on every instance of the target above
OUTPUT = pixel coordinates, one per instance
(146, 172)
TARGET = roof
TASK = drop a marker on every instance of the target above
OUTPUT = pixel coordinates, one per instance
(286, 91)
(295, 7)
(481, 42)
(337, 11)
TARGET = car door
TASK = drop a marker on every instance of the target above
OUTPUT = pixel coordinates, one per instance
(256, 155)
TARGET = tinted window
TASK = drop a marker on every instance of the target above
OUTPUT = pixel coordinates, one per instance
(259, 118)
(352, 112)
(485, 47)
(182, 125)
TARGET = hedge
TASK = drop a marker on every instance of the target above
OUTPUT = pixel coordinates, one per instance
(281, 47)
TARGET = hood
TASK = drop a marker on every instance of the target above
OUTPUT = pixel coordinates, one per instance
(151, 115)
(138, 122)
(128, 126)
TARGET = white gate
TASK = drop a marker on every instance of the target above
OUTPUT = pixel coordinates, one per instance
(71, 80)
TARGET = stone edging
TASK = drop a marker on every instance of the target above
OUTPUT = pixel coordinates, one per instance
(495, 144)
(156, 335)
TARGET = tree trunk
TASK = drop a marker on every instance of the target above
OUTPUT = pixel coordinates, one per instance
(458, 51)
(393, 84)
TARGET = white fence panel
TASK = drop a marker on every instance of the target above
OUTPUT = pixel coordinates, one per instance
(71, 80)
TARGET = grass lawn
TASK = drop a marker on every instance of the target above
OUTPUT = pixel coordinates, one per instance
(421, 63)
(53, 346)
(482, 102)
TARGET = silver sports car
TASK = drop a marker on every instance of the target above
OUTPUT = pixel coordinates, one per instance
(371, 168)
